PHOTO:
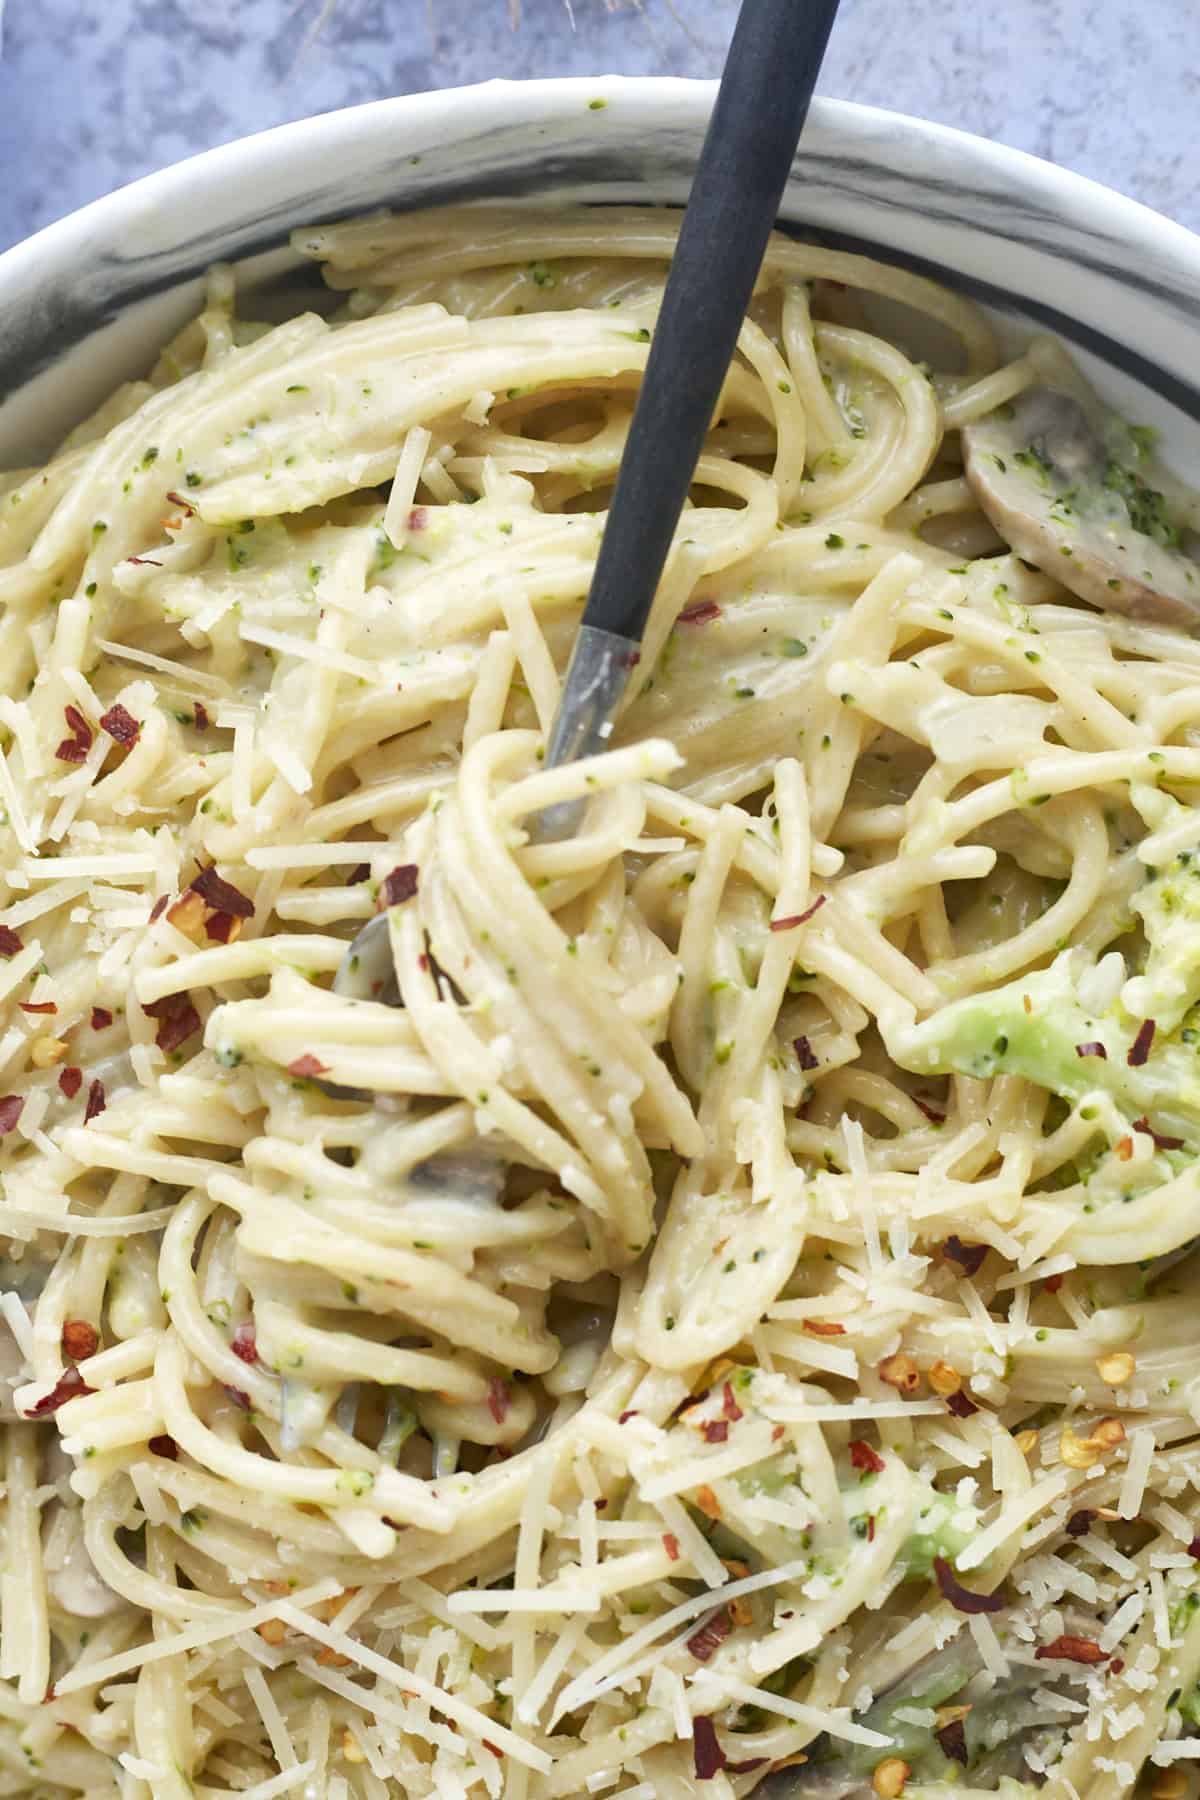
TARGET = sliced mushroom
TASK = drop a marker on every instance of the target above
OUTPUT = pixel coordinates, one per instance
(473, 1174)
(1077, 491)
(996, 1726)
(26, 1278)
(368, 971)
(71, 1578)
(12, 1372)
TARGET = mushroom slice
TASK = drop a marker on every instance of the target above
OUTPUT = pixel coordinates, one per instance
(369, 972)
(71, 1578)
(1077, 491)
(980, 1741)
(25, 1278)
(13, 1371)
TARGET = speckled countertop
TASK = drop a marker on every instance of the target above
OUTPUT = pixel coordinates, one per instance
(96, 92)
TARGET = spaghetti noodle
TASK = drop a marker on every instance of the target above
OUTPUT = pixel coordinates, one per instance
(722, 1284)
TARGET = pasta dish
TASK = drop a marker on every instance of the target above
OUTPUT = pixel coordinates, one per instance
(729, 1328)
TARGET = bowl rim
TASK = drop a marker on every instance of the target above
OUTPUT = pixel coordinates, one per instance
(1039, 243)
(692, 97)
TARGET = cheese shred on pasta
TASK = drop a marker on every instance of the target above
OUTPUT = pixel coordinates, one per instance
(723, 1288)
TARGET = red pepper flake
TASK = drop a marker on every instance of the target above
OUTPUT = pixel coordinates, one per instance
(120, 725)
(729, 1405)
(932, 1113)
(95, 1102)
(75, 748)
(794, 919)
(1160, 1142)
(159, 907)
(961, 1405)
(237, 1395)
(101, 1018)
(1194, 1548)
(177, 1020)
(709, 1757)
(10, 1111)
(37, 1006)
(1080, 1523)
(221, 894)
(1116, 1665)
(711, 1635)
(418, 519)
(686, 1405)
(179, 500)
(969, 1257)
(306, 1066)
(400, 885)
(700, 612)
(80, 1339)
(671, 1545)
(953, 1739)
(200, 716)
(716, 1431)
(1124, 1149)
(163, 1445)
(499, 1399)
(220, 927)
(70, 1081)
(361, 872)
(824, 1328)
(154, 564)
(870, 1528)
(1071, 1649)
(805, 1055)
(863, 1457)
(50, 1694)
(69, 1386)
(964, 1600)
(777, 1433)
(1094, 1048)
(244, 1342)
(1052, 1283)
(10, 943)
(631, 1414)
(1139, 1050)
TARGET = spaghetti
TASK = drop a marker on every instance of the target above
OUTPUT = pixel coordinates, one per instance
(724, 1283)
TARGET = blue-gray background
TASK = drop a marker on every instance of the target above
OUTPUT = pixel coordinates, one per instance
(96, 92)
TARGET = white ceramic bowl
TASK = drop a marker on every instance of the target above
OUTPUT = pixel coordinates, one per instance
(85, 302)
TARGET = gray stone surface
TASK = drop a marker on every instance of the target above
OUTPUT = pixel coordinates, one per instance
(96, 92)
